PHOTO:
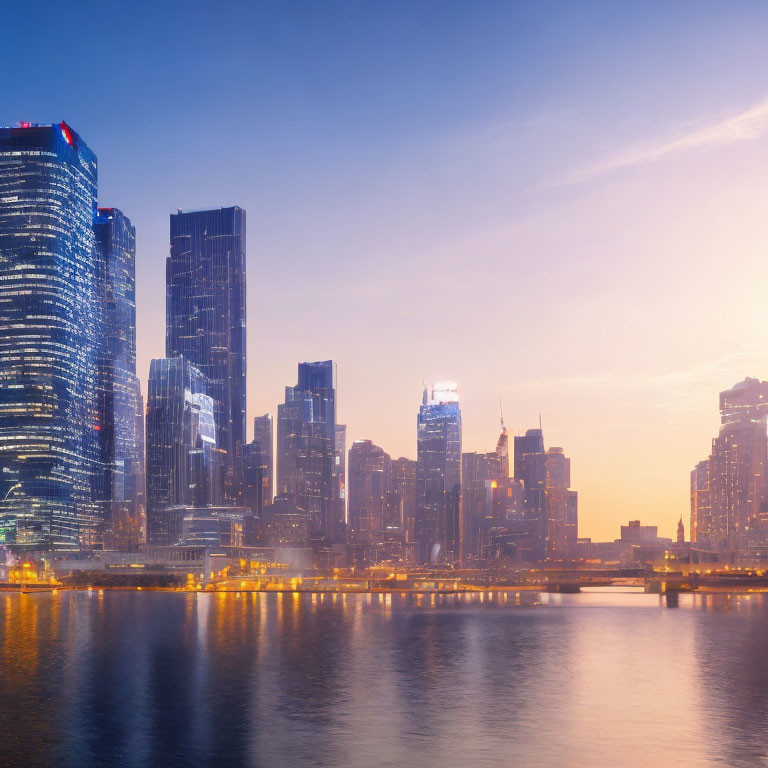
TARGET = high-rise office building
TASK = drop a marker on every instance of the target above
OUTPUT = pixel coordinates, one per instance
(400, 509)
(205, 315)
(369, 483)
(306, 448)
(119, 389)
(50, 468)
(531, 469)
(438, 489)
(479, 473)
(502, 451)
(730, 489)
(182, 457)
(340, 468)
(263, 435)
(701, 505)
(561, 505)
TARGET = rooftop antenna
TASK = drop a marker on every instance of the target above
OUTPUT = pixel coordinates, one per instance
(539, 421)
(501, 416)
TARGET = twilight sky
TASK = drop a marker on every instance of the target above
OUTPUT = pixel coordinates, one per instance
(564, 204)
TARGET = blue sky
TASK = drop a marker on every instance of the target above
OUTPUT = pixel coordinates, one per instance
(558, 203)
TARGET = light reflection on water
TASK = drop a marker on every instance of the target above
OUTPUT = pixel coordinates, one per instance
(603, 678)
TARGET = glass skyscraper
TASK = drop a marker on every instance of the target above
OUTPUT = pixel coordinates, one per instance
(50, 469)
(262, 434)
(438, 478)
(369, 484)
(530, 467)
(730, 488)
(181, 447)
(205, 314)
(119, 388)
(306, 439)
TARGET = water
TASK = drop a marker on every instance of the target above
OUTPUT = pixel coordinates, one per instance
(597, 679)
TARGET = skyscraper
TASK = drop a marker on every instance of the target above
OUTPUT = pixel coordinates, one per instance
(262, 434)
(118, 387)
(560, 504)
(438, 479)
(306, 453)
(205, 314)
(340, 469)
(50, 468)
(369, 483)
(730, 489)
(400, 509)
(701, 505)
(530, 468)
(181, 447)
(478, 472)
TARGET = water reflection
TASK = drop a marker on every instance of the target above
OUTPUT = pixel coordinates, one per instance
(127, 679)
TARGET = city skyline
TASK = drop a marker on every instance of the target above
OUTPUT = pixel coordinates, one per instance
(648, 192)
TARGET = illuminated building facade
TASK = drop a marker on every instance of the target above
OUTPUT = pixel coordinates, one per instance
(50, 470)
(306, 449)
(121, 434)
(438, 475)
(182, 457)
(205, 315)
(729, 489)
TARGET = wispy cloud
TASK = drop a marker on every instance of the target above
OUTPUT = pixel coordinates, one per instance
(747, 125)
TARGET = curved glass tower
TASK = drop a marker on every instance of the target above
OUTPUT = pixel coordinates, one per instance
(49, 327)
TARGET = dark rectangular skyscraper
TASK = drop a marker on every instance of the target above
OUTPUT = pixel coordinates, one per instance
(205, 313)
(262, 434)
(530, 467)
(119, 388)
(49, 338)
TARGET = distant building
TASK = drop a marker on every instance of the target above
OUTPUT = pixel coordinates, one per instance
(438, 475)
(51, 477)
(205, 316)
(639, 534)
(254, 465)
(306, 449)
(285, 524)
(502, 451)
(182, 457)
(210, 526)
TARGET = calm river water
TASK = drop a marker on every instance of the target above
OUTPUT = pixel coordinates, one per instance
(605, 678)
